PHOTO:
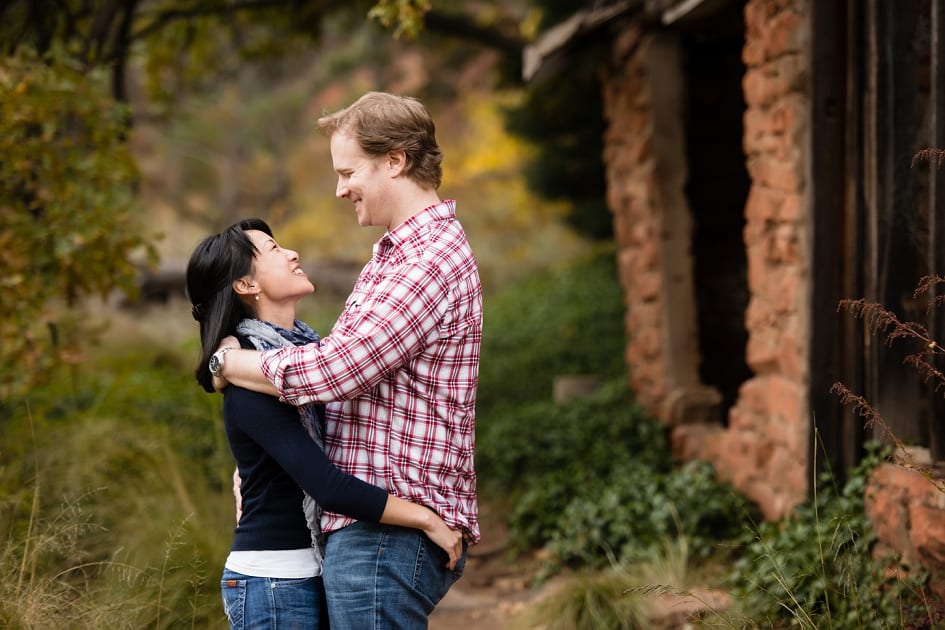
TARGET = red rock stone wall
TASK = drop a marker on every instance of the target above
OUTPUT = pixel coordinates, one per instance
(907, 510)
(763, 449)
(633, 195)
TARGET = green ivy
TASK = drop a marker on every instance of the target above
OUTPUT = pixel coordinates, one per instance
(636, 509)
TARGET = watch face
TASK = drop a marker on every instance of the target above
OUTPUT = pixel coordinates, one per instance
(214, 364)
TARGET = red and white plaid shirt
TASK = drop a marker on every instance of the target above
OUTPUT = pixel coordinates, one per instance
(403, 360)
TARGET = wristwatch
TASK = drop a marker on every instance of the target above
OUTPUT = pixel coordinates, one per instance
(216, 361)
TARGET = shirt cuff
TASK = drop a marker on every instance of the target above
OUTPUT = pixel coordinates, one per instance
(273, 368)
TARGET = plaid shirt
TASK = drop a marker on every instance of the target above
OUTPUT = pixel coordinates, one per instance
(403, 360)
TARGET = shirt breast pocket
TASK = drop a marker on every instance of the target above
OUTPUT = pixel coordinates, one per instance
(352, 308)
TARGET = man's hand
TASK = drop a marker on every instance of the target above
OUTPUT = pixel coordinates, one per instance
(238, 494)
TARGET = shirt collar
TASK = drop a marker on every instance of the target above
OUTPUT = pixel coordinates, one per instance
(444, 210)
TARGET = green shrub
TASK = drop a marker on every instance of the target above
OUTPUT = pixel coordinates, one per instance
(593, 476)
(584, 437)
(635, 509)
(566, 321)
(544, 456)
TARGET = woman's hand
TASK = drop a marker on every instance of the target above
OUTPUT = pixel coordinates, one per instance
(449, 540)
(407, 514)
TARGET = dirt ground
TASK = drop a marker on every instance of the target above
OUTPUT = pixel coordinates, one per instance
(493, 589)
(495, 592)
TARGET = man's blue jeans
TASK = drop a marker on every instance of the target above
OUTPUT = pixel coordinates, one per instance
(260, 603)
(380, 577)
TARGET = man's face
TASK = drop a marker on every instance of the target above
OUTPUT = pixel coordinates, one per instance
(363, 180)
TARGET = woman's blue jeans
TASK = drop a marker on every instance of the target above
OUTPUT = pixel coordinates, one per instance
(258, 603)
(384, 577)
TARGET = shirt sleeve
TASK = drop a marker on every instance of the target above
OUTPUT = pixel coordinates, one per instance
(395, 322)
(276, 427)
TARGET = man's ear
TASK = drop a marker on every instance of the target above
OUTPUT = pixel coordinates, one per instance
(396, 162)
(245, 286)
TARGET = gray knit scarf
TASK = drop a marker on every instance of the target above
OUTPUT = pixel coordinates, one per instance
(268, 336)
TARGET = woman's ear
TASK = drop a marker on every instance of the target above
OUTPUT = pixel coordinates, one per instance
(245, 286)
(396, 162)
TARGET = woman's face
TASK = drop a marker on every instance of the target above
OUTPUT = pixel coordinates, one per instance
(276, 272)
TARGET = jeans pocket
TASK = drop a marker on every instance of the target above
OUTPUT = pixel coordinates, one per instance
(434, 579)
(298, 602)
(461, 563)
(233, 591)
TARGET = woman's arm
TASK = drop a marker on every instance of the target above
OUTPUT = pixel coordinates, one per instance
(277, 428)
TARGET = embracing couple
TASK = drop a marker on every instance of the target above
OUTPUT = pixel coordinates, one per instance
(355, 485)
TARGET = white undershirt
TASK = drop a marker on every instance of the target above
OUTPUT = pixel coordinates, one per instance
(282, 563)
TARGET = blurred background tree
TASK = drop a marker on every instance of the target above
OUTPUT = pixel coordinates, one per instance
(66, 210)
(203, 112)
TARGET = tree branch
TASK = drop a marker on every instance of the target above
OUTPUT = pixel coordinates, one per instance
(120, 51)
(163, 18)
(463, 26)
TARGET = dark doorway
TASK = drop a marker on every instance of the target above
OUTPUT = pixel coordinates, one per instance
(717, 192)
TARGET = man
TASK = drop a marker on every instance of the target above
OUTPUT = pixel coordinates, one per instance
(402, 360)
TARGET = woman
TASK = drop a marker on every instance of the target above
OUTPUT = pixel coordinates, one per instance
(242, 283)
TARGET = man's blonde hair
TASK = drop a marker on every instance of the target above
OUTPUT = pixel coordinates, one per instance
(382, 122)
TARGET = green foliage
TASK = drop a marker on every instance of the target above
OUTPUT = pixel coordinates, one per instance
(593, 476)
(405, 16)
(67, 209)
(635, 508)
(565, 321)
(814, 568)
(188, 51)
(182, 44)
(583, 437)
(548, 455)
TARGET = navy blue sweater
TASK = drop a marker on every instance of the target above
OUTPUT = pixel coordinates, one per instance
(276, 460)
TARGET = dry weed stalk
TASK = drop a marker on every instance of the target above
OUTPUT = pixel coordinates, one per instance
(890, 328)
(935, 157)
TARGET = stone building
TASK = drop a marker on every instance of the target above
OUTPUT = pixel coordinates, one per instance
(759, 164)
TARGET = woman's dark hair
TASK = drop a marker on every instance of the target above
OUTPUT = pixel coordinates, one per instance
(216, 263)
